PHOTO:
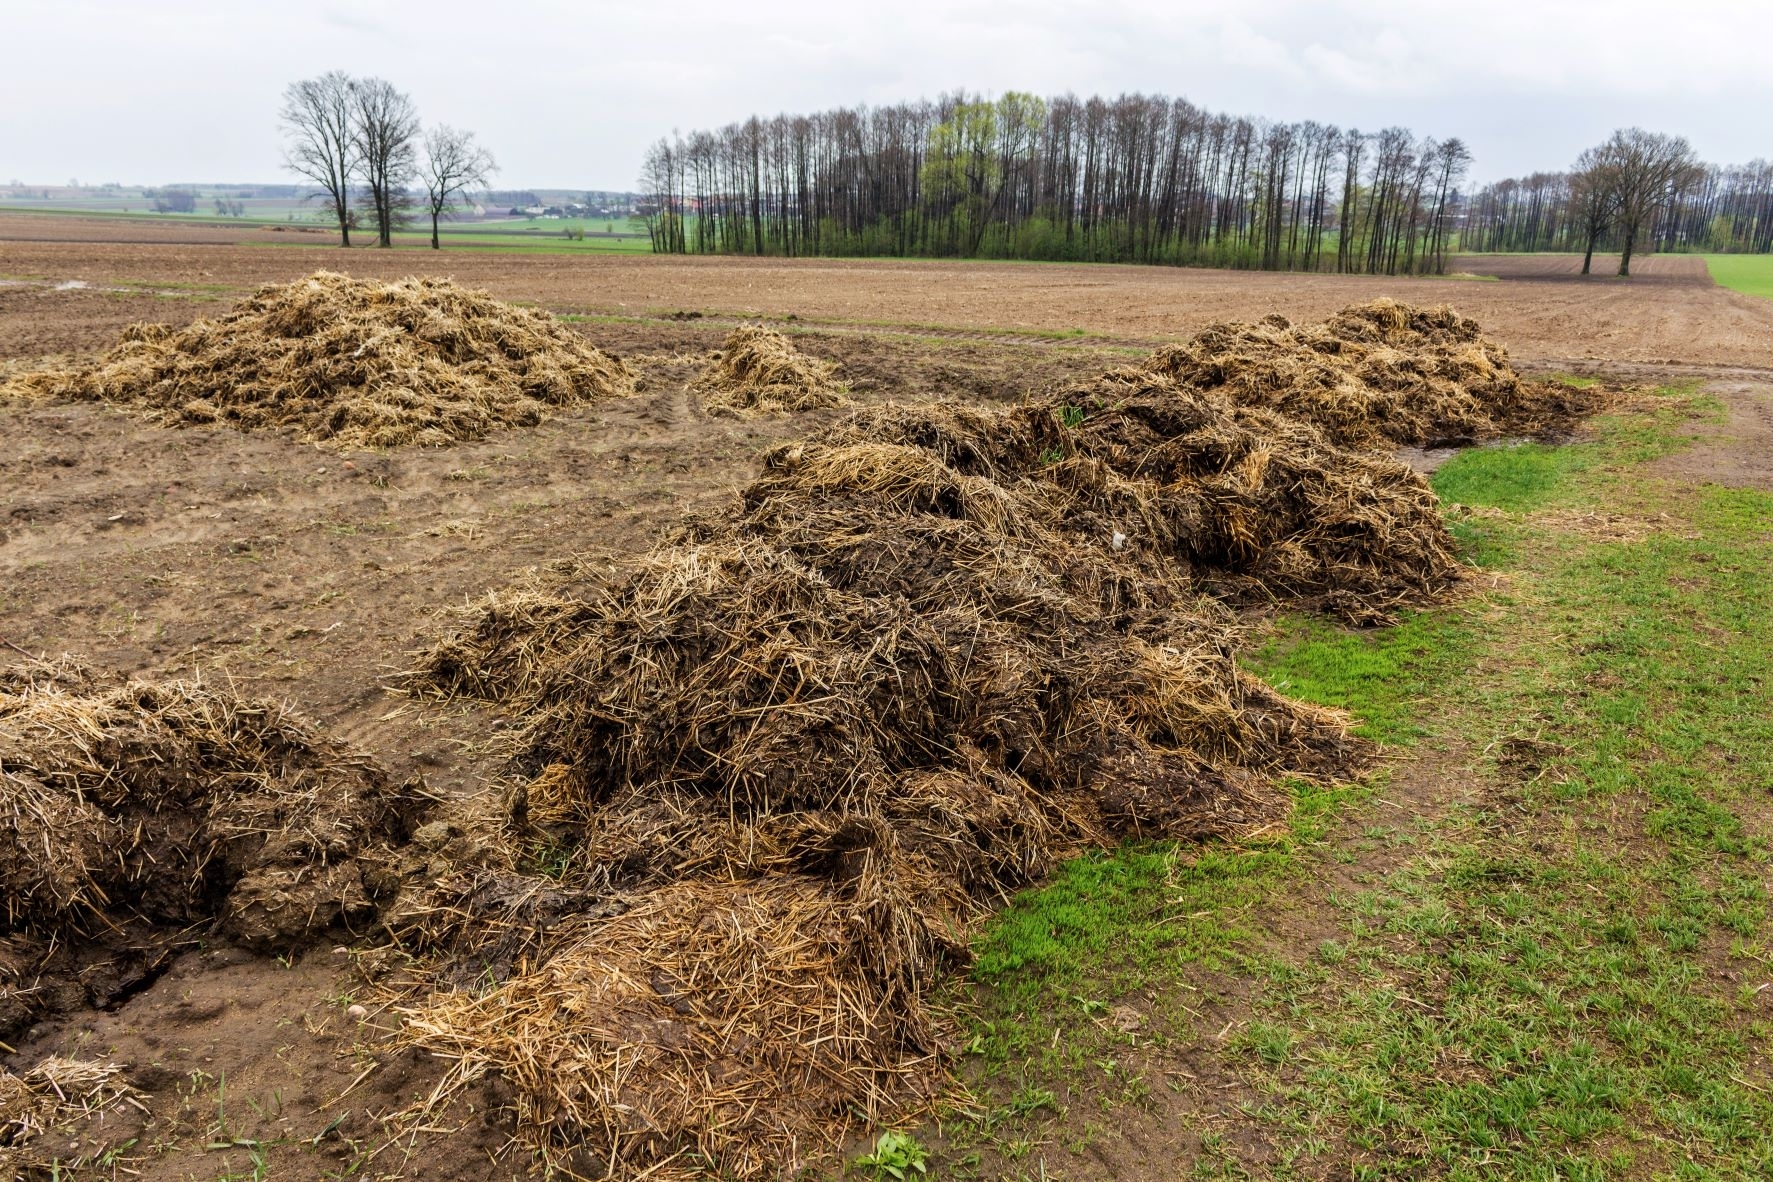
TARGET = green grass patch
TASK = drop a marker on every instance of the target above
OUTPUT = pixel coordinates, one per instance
(552, 227)
(468, 238)
(1751, 274)
(1510, 476)
(1111, 922)
(1379, 675)
(1519, 477)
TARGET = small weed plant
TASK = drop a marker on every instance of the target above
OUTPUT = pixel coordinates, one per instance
(896, 1155)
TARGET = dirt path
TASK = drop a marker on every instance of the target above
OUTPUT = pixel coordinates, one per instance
(1739, 451)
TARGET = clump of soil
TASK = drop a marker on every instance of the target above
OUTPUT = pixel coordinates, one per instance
(138, 810)
(757, 370)
(1381, 374)
(352, 363)
(781, 765)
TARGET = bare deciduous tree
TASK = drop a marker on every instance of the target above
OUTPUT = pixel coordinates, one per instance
(1594, 193)
(1138, 178)
(317, 120)
(453, 164)
(1450, 166)
(1720, 208)
(1650, 168)
(386, 132)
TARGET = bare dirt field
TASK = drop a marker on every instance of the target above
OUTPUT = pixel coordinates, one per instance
(305, 574)
(1675, 316)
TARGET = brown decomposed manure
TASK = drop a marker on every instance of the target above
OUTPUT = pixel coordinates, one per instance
(757, 370)
(137, 810)
(1255, 506)
(792, 795)
(780, 766)
(1381, 374)
(350, 363)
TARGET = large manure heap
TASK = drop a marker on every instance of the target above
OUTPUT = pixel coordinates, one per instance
(350, 363)
(787, 759)
(1381, 374)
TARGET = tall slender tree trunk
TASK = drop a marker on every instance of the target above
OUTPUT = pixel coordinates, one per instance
(1625, 254)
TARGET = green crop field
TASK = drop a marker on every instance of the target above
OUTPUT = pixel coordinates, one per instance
(540, 235)
(555, 226)
(496, 243)
(516, 235)
(1750, 273)
(257, 213)
(484, 238)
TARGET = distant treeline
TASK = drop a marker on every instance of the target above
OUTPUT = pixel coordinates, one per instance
(184, 198)
(1140, 178)
(1706, 208)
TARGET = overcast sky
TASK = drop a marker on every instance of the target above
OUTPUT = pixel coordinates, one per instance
(568, 93)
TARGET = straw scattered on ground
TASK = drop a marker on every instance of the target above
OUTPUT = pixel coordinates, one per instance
(138, 810)
(1382, 374)
(350, 363)
(789, 758)
(757, 370)
(53, 1093)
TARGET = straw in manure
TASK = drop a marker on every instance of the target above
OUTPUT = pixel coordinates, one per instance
(136, 807)
(787, 760)
(757, 370)
(1253, 505)
(51, 1093)
(1381, 374)
(350, 363)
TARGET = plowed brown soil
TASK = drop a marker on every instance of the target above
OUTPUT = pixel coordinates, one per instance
(1541, 308)
(305, 574)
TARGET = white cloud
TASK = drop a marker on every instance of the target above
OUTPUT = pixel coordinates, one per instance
(570, 93)
(1244, 48)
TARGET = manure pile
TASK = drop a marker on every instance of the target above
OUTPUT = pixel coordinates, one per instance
(1382, 374)
(352, 363)
(136, 810)
(758, 370)
(784, 762)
